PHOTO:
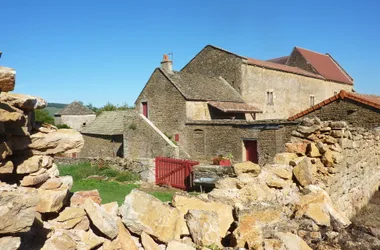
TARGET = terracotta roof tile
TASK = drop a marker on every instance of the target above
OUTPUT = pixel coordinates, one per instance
(325, 65)
(370, 100)
(279, 60)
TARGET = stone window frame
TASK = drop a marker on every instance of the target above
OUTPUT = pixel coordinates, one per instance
(270, 97)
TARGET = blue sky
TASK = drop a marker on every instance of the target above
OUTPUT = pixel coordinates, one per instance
(99, 51)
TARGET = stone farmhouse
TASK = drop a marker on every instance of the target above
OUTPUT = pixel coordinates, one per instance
(358, 110)
(224, 103)
(75, 115)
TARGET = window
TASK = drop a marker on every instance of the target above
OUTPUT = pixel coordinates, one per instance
(312, 100)
(270, 97)
(145, 109)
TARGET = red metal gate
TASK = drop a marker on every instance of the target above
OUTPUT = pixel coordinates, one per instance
(174, 172)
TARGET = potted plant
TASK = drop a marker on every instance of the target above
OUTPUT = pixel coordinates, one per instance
(223, 160)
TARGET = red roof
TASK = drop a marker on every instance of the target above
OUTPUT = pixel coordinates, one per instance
(370, 100)
(326, 66)
(279, 60)
(282, 67)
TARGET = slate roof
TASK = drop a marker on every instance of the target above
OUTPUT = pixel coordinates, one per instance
(76, 108)
(326, 66)
(234, 107)
(370, 100)
(198, 87)
(108, 123)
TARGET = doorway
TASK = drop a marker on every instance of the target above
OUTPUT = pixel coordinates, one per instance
(251, 153)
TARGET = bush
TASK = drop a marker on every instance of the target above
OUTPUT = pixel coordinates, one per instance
(43, 116)
(62, 126)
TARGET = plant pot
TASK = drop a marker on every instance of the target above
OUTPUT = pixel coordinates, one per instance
(225, 162)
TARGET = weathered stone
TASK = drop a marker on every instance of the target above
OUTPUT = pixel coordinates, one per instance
(6, 167)
(10, 243)
(90, 239)
(17, 211)
(71, 213)
(148, 243)
(6, 116)
(296, 161)
(227, 182)
(52, 183)
(337, 157)
(308, 129)
(67, 181)
(304, 172)
(60, 241)
(203, 227)
(284, 158)
(296, 147)
(29, 164)
(60, 141)
(225, 218)
(51, 200)
(125, 238)
(274, 181)
(175, 245)
(282, 171)
(292, 241)
(101, 219)
(7, 79)
(80, 197)
(312, 150)
(327, 159)
(24, 102)
(337, 133)
(112, 208)
(338, 125)
(143, 212)
(247, 167)
(273, 244)
(54, 172)
(84, 224)
(30, 180)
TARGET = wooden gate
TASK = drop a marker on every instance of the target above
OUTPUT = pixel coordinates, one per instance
(174, 172)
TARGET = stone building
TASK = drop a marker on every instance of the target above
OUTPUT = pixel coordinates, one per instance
(358, 110)
(75, 115)
(104, 136)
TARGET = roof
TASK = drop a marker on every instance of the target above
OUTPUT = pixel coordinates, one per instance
(76, 108)
(369, 100)
(326, 66)
(108, 123)
(279, 60)
(229, 107)
(203, 88)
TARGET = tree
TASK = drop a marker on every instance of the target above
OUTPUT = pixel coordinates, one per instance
(43, 116)
(109, 107)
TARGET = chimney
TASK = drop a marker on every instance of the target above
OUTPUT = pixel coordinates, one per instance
(166, 64)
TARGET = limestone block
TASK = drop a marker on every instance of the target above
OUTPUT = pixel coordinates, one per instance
(80, 197)
(90, 240)
(17, 210)
(143, 212)
(7, 116)
(60, 240)
(292, 241)
(7, 79)
(125, 238)
(6, 167)
(51, 200)
(284, 158)
(28, 164)
(307, 130)
(71, 213)
(225, 218)
(327, 159)
(52, 183)
(30, 180)
(148, 243)
(103, 221)
(296, 147)
(282, 171)
(24, 102)
(5, 149)
(10, 243)
(312, 150)
(204, 227)
(175, 245)
(247, 167)
(304, 172)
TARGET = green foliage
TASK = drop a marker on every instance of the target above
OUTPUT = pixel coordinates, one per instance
(56, 105)
(132, 126)
(62, 126)
(163, 196)
(127, 176)
(43, 116)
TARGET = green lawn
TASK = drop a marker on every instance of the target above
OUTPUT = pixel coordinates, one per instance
(115, 188)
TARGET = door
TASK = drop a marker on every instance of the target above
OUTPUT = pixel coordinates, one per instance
(145, 109)
(251, 151)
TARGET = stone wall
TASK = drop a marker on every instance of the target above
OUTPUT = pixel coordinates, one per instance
(142, 139)
(354, 113)
(77, 122)
(102, 146)
(291, 92)
(345, 160)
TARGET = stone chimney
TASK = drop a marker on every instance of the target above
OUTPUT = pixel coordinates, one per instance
(166, 64)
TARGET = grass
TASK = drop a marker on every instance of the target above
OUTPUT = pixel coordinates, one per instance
(118, 185)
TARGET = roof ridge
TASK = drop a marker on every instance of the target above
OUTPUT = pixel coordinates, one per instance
(227, 51)
(340, 67)
(311, 51)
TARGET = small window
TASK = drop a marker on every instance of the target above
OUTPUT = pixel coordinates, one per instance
(312, 100)
(270, 97)
(84, 124)
(176, 137)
